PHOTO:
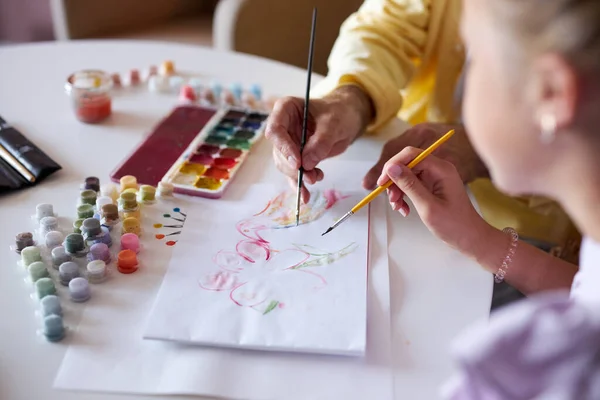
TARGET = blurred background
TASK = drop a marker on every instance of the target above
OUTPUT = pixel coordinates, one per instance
(275, 29)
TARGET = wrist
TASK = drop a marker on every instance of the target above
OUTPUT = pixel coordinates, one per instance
(354, 98)
(491, 249)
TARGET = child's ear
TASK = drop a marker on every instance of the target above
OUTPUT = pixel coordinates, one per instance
(554, 89)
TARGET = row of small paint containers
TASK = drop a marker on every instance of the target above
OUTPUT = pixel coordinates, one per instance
(166, 80)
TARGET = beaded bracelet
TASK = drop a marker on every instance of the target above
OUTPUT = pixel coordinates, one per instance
(514, 241)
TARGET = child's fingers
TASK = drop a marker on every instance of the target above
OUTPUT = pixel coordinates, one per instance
(394, 194)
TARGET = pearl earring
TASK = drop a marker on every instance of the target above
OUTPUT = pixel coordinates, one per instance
(548, 127)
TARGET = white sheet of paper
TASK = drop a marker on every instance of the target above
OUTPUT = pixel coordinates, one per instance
(107, 354)
(247, 277)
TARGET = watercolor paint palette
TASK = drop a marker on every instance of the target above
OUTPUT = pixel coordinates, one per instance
(212, 159)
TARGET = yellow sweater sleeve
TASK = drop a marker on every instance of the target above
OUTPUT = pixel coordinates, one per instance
(378, 49)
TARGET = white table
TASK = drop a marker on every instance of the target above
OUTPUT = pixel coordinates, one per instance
(435, 292)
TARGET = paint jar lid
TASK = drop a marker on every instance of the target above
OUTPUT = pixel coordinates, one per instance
(128, 200)
(88, 196)
(60, 255)
(30, 254)
(44, 287)
(165, 188)
(68, 271)
(79, 290)
(54, 239)
(88, 82)
(38, 270)
(54, 329)
(96, 268)
(92, 183)
(51, 305)
(130, 241)
(91, 227)
(99, 251)
(44, 210)
(127, 261)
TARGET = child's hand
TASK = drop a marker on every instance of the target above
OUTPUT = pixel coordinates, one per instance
(438, 194)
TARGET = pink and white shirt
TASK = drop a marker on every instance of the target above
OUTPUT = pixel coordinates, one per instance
(544, 347)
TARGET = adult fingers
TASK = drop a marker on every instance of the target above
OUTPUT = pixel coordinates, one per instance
(281, 130)
(304, 193)
(284, 167)
(321, 143)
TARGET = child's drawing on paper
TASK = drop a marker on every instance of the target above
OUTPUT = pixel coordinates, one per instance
(255, 274)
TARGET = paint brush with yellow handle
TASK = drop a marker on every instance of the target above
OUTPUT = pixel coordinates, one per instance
(380, 189)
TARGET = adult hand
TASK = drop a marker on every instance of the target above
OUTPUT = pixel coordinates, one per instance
(439, 197)
(334, 122)
(458, 151)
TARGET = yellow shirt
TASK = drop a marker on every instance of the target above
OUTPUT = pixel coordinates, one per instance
(408, 57)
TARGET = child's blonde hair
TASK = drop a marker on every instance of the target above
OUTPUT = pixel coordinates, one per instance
(569, 27)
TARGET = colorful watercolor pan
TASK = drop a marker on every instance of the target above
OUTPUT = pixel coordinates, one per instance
(211, 161)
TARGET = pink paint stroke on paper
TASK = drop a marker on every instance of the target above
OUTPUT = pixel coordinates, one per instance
(254, 271)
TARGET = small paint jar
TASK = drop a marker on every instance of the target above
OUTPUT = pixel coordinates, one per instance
(48, 224)
(23, 240)
(167, 68)
(216, 89)
(60, 256)
(79, 290)
(147, 194)
(44, 287)
(54, 239)
(130, 241)
(187, 94)
(135, 213)
(77, 225)
(249, 101)
(90, 228)
(50, 305)
(176, 82)
(92, 183)
(116, 80)
(89, 91)
(256, 91)
(54, 329)
(104, 237)
(99, 251)
(227, 98)
(29, 255)
(109, 190)
(152, 70)
(208, 96)
(74, 243)
(96, 271)
(67, 271)
(158, 84)
(132, 225)
(236, 90)
(134, 77)
(88, 197)
(109, 214)
(44, 210)
(165, 189)
(85, 211)
(37, 271)
(128, 201)
(127, 262)
(128, 182)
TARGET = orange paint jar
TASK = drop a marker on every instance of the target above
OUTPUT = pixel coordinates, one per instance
(89, 91)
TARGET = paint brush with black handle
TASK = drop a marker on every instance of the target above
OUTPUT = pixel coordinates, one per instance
(305, 118)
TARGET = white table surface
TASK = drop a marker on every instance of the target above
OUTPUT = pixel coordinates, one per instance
(435, 292)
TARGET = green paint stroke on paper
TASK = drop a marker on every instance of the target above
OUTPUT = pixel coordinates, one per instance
(271, 306)
(323, 258)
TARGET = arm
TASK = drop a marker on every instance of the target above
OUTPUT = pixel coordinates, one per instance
(531, 270)
(376, 51)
